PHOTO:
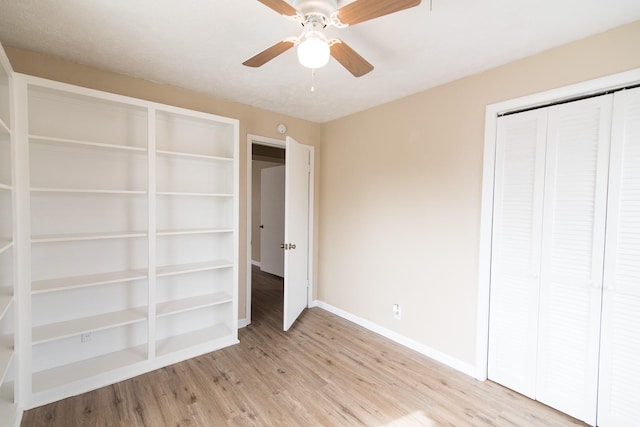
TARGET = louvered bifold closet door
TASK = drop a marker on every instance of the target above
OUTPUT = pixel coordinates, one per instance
(516, 249)
(575, 198)
(619, 395)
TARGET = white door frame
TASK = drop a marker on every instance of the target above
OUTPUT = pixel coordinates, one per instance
(627, 78)
(280, 143)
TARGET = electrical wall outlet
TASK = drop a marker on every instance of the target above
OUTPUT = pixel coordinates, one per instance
(85, 338)
(397, 312)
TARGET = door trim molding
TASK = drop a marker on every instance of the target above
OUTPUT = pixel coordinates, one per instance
(492, 112)
(260, 140)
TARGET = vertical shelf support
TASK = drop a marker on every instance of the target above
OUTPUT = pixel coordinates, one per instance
(22, 276)
(151, 232)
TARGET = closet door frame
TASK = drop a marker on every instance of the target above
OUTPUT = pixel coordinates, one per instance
(492, 112)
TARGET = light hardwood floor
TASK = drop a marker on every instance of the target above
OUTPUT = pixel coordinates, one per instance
(324, 371)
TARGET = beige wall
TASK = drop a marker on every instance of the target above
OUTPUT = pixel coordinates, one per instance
(252, 120)
(401, 192)
(397, 187)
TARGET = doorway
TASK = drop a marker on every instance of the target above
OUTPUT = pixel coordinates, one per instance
(265, 153)
(267, 232)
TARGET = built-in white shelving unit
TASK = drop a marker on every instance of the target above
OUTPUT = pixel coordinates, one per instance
(118, 238)
(132, 241)
(8, 286)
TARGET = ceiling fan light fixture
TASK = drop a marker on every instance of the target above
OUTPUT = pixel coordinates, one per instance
(313, 51)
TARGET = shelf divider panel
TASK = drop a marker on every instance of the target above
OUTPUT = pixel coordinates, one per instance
(86, 236)
(170, 270)
(192, 303)
(86, 143)
(58, 376)
(201, 336)
(70, 328)
(65, 283)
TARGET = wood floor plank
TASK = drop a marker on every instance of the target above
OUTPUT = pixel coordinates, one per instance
(325, 371)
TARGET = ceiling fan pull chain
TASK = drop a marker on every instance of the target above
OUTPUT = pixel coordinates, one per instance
(313, 80)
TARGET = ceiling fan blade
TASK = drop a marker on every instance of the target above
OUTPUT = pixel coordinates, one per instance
(280, 6)
(350, 59)
(364, 10)
(268, 54)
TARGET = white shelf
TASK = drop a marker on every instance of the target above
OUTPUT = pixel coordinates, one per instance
(6, 355)
(55, 377)
(5, 244)
(5, 302)
(191, 339)
(65, 283)
(69, 328)
(176, 193)
(170, 270)
(4, 128)
(5, 187)
(92, 144)
(8, 408)
(193, 155)
(193, 231)
(84, 191)
(86, 236)
(193, 303)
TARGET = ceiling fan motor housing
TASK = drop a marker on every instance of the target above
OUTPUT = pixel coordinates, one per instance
(323, 8)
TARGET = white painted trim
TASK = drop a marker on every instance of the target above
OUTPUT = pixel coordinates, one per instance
(243, 323)
(614, 81)
(312, 168)
(261, 140)
(486, 230)
(436, 355)
(256, 263)
(22, 249)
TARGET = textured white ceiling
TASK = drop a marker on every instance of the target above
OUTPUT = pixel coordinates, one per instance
(201, 44)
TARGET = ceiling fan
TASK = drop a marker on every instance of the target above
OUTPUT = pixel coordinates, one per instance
(314, 49)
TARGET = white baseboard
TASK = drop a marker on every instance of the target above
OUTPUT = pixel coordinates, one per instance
(436, 355)
(256, 263)
(243, 323)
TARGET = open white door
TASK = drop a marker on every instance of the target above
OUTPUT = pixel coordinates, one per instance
(272, 220)
(296, 230)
